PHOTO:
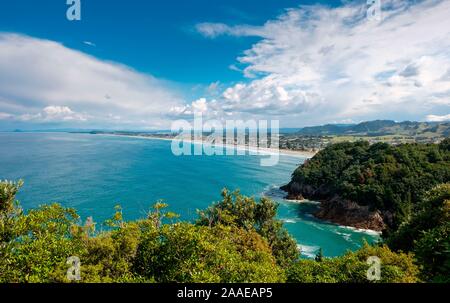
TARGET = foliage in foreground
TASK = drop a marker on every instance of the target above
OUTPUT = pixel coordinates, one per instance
(427, 234)
(353, 267)
(244, 212)
(236, 240)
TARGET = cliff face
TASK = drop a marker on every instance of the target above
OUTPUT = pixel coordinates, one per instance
(338, 210)
(348, 213)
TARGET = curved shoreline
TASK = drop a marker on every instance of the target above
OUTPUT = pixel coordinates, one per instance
(258, 150)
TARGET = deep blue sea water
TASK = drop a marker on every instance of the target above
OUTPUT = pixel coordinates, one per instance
(93, 173)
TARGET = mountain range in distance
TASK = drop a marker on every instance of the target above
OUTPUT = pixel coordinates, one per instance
(378, 128)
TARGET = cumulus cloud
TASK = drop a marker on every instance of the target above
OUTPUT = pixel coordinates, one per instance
(54, 114)
(316, 64)
(437, 118)
(199, 106)
(42, 80)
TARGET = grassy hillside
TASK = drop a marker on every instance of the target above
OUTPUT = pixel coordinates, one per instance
(379, 128)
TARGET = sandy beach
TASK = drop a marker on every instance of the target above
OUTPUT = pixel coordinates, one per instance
(252, 149)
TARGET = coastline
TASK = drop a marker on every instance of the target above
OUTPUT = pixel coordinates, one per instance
(337, 210)
(371, 232)
(251, 149)
(282, 195)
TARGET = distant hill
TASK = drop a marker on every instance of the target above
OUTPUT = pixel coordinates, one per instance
(381, 128)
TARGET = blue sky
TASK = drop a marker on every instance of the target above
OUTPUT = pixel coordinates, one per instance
(142, 64)
(156, 37)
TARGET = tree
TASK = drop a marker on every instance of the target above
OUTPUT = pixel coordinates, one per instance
(245, 212)
(9, 209)
(427, 234)
(319, 257)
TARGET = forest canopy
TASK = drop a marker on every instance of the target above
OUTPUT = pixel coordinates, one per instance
(391, 179)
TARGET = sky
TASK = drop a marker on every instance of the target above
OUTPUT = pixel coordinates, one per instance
(143, 64)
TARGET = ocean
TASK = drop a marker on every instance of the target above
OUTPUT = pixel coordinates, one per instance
(94, 173)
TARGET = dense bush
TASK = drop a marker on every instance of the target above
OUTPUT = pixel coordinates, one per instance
(246, 213)
(35, 247)
(189, 253)
(353, 267)
(427, 234)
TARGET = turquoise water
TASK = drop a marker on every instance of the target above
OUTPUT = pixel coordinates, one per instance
(93, 173)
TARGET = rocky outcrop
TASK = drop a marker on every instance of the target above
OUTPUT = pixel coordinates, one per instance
(294, 191)
(337, 210)
(297, 191)
(349, 213)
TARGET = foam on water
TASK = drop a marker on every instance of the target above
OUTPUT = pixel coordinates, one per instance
(308, 251)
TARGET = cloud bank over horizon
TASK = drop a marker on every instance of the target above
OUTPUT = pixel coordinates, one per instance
(311, 65)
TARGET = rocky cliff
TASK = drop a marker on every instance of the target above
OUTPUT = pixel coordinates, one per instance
(338, 210)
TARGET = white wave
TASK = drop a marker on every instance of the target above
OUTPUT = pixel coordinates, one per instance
(365, 231)
(346, 236)
(308, 251)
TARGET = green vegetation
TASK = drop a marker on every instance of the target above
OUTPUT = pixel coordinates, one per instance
(391, 179)
(427, 234)
(245, 213)
(235, 240)
(407, 184)
(352, 267)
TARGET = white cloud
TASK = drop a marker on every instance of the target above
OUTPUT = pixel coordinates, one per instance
(4, 116)
(213, 30)
(198, 106)
(54, 114)
(89, 43)
(436, 118)
(42, 80)
(313, 64)
(316, 64)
